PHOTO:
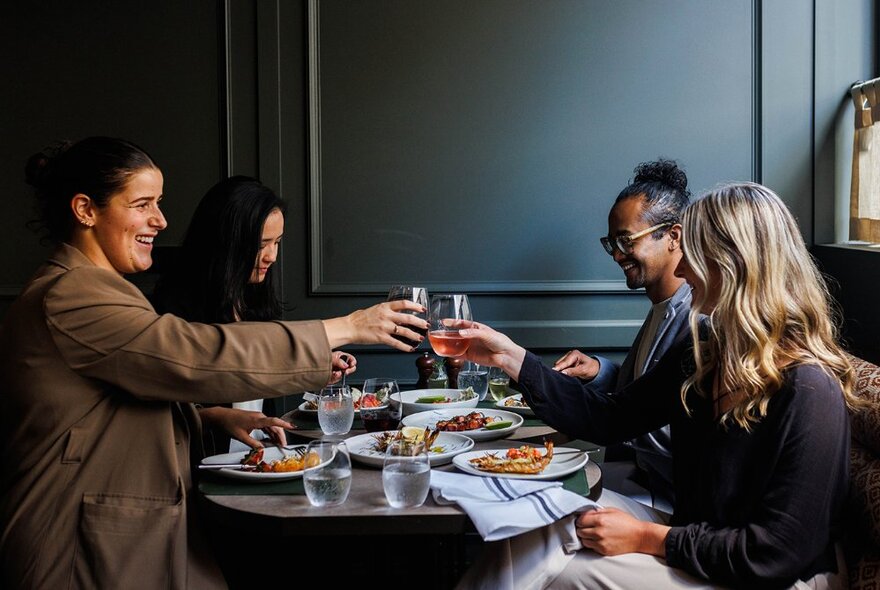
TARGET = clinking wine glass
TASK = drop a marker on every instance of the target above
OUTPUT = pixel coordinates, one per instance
(416, 295)
(378, 411)
(445, 315)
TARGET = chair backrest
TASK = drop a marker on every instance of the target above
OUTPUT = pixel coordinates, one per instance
(862, 537)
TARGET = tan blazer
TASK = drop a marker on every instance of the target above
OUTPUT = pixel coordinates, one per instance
(95, 485)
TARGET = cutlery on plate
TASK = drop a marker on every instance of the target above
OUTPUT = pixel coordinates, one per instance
(226, 466)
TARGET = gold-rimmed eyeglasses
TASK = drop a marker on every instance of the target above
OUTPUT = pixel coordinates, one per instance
(625, 243)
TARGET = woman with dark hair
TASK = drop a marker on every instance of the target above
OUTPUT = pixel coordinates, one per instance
(95, 420)
(225, 272)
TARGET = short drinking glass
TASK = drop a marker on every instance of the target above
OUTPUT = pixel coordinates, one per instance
(445, 311)
(406, 474)
(377, 410)
(335, 409)
(498, 381)
(475, 376)
(328, 481)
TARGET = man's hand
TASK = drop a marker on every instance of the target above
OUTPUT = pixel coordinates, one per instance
(576, 364)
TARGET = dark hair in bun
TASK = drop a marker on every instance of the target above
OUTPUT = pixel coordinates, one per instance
(663, 185)
(98, 167)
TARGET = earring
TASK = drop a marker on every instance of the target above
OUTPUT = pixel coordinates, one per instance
(86, 222)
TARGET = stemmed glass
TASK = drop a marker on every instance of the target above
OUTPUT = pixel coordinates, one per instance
(415, 294)
(327, 479)
(378, 412)
(444, 336)
(335, 409)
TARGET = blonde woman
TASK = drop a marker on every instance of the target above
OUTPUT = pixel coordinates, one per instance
(760, 432)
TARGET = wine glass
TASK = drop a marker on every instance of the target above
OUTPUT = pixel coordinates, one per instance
(327, 480)
(444, 336)
(406, 474)
(417, 295)
(335, 409)
(378, 412)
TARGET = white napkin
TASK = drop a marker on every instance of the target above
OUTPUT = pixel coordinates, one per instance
(502, 508)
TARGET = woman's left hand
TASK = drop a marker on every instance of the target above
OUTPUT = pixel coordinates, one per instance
(609, 531)
(239, 424)
(342, 361)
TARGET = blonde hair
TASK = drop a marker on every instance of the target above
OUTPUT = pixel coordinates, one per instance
(771, 305)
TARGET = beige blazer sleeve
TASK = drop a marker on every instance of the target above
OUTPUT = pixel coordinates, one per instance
(106, 329)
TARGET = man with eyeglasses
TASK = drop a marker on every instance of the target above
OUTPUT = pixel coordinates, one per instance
(644, 238)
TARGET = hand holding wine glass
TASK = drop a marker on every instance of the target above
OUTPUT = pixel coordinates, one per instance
(445, 317)
(416, 295)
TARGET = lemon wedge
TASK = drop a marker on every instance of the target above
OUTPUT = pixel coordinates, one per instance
(413, 433)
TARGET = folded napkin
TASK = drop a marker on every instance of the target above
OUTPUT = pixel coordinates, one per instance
(501, 507)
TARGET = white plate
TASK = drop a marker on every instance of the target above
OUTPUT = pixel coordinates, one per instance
(411, 406)
(269, 454)
(522, 411)
(431, 417)
(361, 448)
(565, 461)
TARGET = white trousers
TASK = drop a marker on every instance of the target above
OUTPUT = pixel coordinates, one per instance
(588, 570)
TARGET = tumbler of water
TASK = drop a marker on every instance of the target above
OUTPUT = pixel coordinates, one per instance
(475, 376)
(328, 482)
(406, 474)
(335, 409)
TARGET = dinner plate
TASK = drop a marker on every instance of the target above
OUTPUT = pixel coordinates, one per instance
(303, 407)
(524, 411)
(269, 454)
(564, 461)
(361, 449)
(431, 417)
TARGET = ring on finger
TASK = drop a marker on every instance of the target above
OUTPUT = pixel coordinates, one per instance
(395, 329)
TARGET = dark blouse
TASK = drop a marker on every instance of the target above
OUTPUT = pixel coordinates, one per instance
(759, 508)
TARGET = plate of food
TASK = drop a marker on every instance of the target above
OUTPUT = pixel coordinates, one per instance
(259, 465)
(420, 400)
(478, 424)
(525, 462)
(369, 448)
(515, 403)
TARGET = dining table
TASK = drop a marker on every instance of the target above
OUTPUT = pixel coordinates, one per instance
(281, 512)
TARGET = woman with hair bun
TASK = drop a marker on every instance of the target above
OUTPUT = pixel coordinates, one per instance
(95, 412)
(757, 403)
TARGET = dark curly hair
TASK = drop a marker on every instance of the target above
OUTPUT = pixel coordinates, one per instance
(663, 186)
(98, 167)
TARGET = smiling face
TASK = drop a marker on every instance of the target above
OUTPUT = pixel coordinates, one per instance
(652, 262)
(705, 295)
(273, 229)
(120, 235)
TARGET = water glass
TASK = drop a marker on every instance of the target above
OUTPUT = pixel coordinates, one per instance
(328, 482)
(335, 409)
(475, 376)
(378, 412)
(498, 381)
(406, 474)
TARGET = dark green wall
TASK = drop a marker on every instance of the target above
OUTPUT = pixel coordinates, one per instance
(507, 125)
